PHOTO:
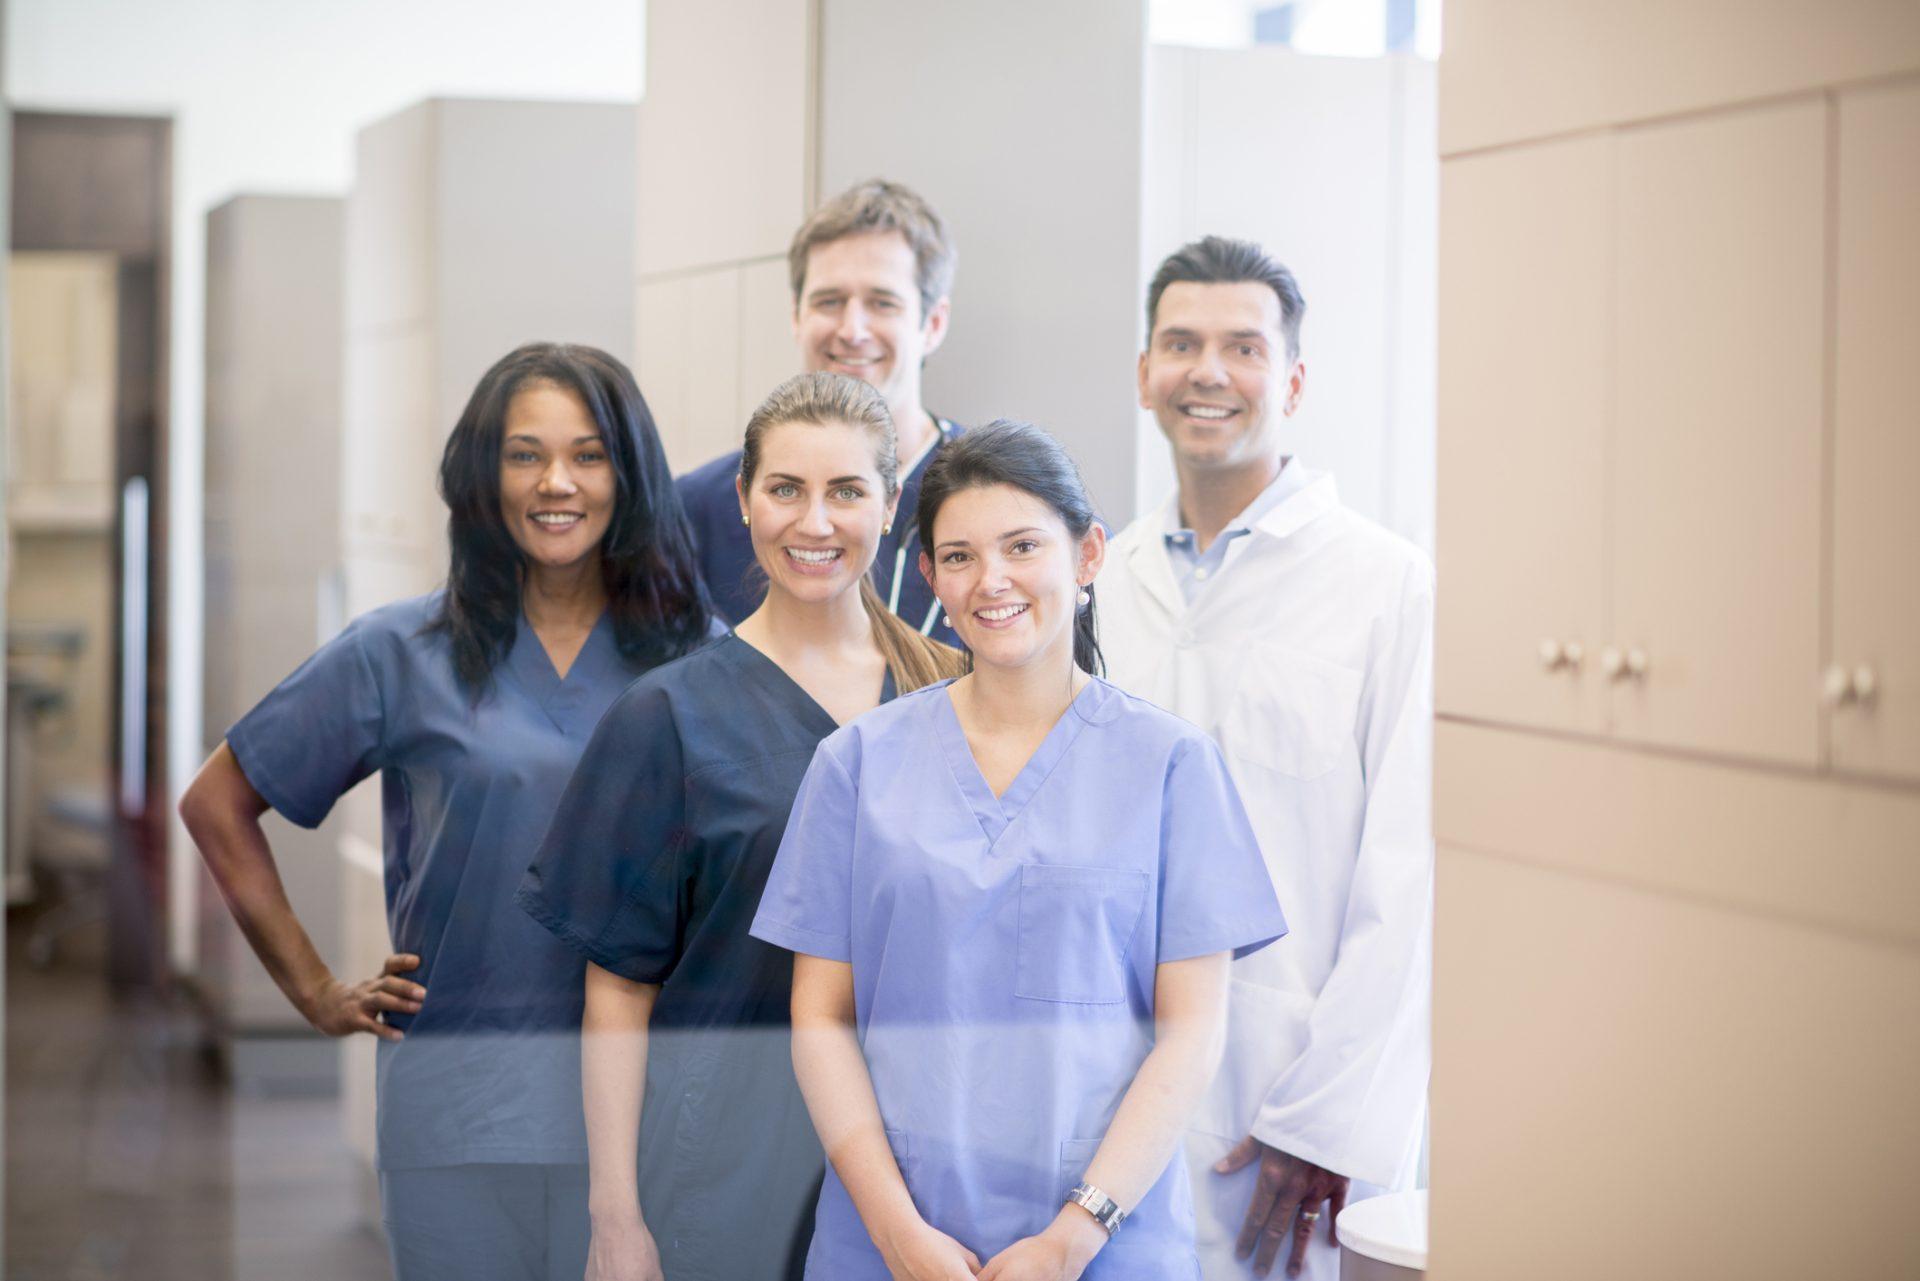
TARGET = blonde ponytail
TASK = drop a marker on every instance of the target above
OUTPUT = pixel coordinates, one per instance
(916, 661)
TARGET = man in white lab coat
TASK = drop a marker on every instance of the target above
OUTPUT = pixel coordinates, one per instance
(1299, 635)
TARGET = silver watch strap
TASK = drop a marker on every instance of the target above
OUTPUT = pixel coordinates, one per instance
(1104, 1209)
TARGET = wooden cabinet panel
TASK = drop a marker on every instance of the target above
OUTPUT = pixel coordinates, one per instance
(1518, 69)
(725, 130)
(1876, 519)
(1705, 829)
(1716, 407)
(688, 362)
(1620, 1075)
(768, 356)
(1523, 346)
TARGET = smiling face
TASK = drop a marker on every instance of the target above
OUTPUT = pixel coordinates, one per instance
(816, 507)
(556, 482)
(859, 314)
(1008, 572)
(1218, 376)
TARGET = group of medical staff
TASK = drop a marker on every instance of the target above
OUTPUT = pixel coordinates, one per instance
(847, 861)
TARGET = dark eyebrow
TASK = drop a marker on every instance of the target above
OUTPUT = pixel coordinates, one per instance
(535, 440)
(1011, 533)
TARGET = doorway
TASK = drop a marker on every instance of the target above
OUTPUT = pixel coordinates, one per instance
(86, 526)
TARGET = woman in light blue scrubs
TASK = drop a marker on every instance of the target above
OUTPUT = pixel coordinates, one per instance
(572, 573)
(1012, 899)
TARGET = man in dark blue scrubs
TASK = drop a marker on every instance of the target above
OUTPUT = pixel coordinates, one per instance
(871, 271)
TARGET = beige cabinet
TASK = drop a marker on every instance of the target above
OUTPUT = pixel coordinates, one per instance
(1874, 656)
(1628, 1082)
(1715, 469)
(1523, 397)
(1633, 383)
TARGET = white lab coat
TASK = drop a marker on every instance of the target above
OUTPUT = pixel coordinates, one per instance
(1308, 657)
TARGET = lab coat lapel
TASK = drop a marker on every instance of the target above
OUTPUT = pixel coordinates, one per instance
(1150, 566)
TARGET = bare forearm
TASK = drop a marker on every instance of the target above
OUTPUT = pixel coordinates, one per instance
(1189, 1037)
(833, 1078)
(613, 1081)
(230, 839)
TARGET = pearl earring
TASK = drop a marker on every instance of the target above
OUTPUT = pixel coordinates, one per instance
(948, 620)
(743, 518)
(886, 529)
(1086, 598)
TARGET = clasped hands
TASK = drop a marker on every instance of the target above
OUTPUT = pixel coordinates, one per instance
(1059, 1252)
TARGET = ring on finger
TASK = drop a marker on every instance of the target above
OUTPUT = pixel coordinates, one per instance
(1309, 1216)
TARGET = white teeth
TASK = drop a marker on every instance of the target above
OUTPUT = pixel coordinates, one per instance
(814, 557)
(1001, 614)
(1208, 411)
(558, 518)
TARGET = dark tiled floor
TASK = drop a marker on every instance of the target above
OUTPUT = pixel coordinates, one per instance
(127, 1158)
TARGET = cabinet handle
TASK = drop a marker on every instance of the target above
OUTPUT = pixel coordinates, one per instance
(1836, 687)
(1574, 653)
(1865, 683)
(1613, 664)
(1637, 662)
(1551, 655)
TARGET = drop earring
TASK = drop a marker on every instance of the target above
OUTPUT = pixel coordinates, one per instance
(1086, 598)
(947, 619)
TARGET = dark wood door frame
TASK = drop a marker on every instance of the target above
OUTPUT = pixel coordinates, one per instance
(103, 184)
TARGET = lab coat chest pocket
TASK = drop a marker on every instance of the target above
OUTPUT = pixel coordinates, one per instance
(1291, 712)
(1075, 927)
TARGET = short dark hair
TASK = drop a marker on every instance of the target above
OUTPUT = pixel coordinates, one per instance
(1221, 260)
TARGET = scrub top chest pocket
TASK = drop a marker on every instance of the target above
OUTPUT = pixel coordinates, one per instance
(1076, 929)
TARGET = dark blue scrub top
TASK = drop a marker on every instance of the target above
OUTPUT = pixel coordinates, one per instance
(735, 580)
(653, 870)
(489, 1070)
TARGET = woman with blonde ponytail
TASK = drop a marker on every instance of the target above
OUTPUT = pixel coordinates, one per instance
(702, 1161)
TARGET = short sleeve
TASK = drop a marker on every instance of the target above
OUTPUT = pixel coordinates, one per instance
(808, 903)
(1215, 893)
(318, 733)
(611, 877)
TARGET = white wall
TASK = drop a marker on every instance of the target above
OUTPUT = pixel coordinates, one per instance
(266, 97)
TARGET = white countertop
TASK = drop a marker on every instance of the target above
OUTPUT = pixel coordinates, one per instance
(1391, 1228)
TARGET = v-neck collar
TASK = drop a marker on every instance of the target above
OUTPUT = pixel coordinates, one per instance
(563, 699)
(997, 813)
(782, 688)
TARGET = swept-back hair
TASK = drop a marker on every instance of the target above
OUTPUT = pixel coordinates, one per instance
(1220, 260)
(658, 607)
(821, 399)
(1021, 456)
(879, 205)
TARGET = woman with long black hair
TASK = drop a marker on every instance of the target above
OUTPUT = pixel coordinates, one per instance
(571, 574)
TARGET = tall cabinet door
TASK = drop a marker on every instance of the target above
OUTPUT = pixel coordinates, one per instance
(1717, 403)
(1523, 344)
(1876, 456)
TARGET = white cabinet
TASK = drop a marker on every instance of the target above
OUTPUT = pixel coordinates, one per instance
(1874, 655)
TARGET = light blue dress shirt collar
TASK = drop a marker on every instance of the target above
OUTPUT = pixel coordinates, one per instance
(1193, 568)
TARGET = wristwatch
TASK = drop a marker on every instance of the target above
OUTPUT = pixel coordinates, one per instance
(1104, 1209)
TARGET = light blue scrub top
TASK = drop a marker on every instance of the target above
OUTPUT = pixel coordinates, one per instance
(1004, 949)
(490, 1068)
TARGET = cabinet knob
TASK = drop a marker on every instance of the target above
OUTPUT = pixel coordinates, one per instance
(1865, 683)
(1636, 662)
(1613, 664)
(1836, 687)
(1551, 655)
(1574, 653)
